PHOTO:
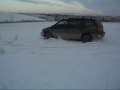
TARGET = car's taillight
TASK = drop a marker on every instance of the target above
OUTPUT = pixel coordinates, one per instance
(100, 29)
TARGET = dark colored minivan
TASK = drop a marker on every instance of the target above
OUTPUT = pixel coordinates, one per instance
(85, 29)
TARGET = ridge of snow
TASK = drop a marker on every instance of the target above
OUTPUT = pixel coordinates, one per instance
(17, 17)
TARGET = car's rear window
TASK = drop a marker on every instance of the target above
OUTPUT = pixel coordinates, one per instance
(98, 22)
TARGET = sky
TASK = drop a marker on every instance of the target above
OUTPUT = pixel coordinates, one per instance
(99, 7)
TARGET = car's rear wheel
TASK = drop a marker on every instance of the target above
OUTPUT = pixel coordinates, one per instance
(48, 35)
(86, 38)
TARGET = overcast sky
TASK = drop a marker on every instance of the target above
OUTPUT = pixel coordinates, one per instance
(105, 7)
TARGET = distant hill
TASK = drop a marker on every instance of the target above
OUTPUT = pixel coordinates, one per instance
(13, 17)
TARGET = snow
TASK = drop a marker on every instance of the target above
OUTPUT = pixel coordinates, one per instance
(17, 17)
(27, 61)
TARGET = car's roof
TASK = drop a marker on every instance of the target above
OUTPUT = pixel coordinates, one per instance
(81, 18)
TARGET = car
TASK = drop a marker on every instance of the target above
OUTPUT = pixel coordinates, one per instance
(85, 29)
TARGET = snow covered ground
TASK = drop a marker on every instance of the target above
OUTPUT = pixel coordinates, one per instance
(17, 17)
(27, 61)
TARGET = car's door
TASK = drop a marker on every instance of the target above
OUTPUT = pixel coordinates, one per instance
(74, 29)
(60, 29)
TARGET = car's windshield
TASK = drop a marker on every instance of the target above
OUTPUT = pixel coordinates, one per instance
(62, 23)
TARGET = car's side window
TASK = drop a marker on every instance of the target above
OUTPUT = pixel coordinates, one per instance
(62, 23)
(89, 23)
(75, 23)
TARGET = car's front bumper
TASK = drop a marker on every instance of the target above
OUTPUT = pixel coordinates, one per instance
(42, 34)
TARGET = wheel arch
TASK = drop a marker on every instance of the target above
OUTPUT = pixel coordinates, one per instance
(48, 32)
(86, 34)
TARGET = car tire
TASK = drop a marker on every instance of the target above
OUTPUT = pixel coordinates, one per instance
(48, 35)
(86, 38)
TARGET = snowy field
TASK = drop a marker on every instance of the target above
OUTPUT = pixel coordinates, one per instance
(27, 61)
(14, 17)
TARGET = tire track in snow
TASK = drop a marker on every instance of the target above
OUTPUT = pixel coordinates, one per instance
(9, 42)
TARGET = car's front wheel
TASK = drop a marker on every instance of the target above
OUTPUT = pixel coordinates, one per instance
(48, 35)
(86, 38)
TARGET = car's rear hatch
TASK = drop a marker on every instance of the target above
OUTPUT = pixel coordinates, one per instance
(100, 27)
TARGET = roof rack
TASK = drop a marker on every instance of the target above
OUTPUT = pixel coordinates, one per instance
(83, 17)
